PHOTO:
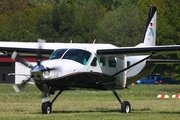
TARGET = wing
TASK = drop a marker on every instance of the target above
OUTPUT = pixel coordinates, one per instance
(139, 50)
(26, 48)
(27, 51)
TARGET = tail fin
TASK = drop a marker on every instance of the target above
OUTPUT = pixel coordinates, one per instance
(149, 36)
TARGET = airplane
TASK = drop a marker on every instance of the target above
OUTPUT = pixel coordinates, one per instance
(90, 66)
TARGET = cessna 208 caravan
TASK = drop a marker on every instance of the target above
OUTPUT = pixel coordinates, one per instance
(90, 66)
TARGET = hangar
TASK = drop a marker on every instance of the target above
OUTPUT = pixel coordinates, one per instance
(7, 65)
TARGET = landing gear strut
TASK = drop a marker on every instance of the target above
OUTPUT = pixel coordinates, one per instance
(125, 106)
(46, 104)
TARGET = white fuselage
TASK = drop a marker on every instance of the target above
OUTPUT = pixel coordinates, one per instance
(102, 65)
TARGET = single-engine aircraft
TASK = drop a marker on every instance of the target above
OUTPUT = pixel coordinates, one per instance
(90, 66)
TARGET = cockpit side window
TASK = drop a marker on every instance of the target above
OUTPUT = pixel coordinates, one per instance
(102, 61)
(57, 54)
(78, 55)
(94, 62)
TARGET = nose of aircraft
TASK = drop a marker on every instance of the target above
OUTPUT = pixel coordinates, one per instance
(37, 71)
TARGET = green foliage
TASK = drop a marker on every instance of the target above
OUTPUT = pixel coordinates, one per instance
(121, 26)
(44, 23)
(87, 16)
(63, 20)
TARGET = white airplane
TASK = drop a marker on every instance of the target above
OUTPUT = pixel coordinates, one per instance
(91, 66)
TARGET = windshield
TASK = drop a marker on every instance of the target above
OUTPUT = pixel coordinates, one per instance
(77, 55)
(57, 54)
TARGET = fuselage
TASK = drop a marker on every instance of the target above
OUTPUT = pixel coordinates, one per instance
(82, 68)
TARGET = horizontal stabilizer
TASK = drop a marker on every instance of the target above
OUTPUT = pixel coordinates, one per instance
(162, 61)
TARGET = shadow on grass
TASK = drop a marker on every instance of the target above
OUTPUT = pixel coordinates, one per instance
(145, 110)
(133, 111)
(104, 110)
(84, 111)
(168, 112)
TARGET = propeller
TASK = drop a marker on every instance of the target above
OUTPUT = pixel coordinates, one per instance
(36, 71)
(17, 57)
(39, 57)
(22, 85)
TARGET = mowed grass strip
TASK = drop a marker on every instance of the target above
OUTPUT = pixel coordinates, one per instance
(88, 105)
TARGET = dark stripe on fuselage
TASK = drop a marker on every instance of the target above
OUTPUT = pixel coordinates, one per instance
(80, 80)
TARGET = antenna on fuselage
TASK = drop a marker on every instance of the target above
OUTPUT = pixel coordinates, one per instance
(71, 41)
(94, 41)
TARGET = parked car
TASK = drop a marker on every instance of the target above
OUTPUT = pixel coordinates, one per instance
(150, 79)
(167, 81)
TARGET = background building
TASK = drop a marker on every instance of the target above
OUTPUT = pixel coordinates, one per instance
(7, 65)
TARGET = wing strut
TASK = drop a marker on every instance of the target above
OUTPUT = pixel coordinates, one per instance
(128, 67)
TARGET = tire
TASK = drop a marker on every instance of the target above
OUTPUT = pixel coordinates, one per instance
(125, 107)
(46, 108)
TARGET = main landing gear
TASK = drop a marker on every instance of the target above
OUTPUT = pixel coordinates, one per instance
(125, 106)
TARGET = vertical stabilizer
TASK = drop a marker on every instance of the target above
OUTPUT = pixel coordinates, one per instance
(149, 35)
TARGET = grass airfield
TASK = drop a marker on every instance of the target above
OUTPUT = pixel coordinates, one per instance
(91, 105)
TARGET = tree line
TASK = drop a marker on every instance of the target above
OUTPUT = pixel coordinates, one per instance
(119, 22)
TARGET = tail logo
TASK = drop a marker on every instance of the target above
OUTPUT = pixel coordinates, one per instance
(151, 30)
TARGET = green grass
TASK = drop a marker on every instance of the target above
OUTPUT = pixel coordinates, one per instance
(91, 105)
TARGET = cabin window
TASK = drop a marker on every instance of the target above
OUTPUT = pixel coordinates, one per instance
(128, 63)
(57, 54)
(102, 62)
(78, 55)
(94, 62)
(112, 62)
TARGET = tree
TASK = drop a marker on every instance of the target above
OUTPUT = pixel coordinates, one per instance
(19, 28)
(63, 20)
(11, 6)
(121, 26)
(44, 24)
(87, 15)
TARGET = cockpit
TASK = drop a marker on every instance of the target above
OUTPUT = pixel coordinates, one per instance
(78, 55)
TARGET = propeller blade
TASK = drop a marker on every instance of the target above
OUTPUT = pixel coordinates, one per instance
(39, 56)
(17, 57)
(45, 92)
(39, 52)
(18, 88)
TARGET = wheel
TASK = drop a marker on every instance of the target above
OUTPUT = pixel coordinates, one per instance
(46, 108)
(125, 107)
